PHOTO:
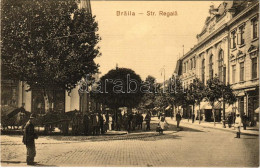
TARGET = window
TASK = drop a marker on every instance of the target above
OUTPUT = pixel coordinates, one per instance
(203, 71)
(240, 37)
(221, 65)
(194, 63)
(254, 68)
(233, 39)
(191, 64)
(241, 105)
(233, 73)
(254, 28)
(242, 68)
(211, 66)
(184, 70)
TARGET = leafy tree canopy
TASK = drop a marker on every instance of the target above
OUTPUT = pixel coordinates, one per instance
(48, 42)
(120, 87)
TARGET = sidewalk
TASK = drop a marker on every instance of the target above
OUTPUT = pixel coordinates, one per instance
(218, 125)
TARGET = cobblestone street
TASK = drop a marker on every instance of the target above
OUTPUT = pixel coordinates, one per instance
(193, 146)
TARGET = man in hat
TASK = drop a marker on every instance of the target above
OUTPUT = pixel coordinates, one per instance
(28, 140)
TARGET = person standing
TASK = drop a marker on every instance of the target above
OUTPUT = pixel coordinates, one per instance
(193, 117)
(148, 120)
(238, 125)
(230, 119)
(244, 120)
(28, 139)
(178, 119)
(110, 121)
(162, 124)
(86, 124)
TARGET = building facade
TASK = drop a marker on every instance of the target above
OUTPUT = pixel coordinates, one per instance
(228, 47)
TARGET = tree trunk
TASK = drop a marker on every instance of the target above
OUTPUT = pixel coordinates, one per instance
(188, 113)
(199, 113)
(46, 101)
(213, 110)
(173, 110)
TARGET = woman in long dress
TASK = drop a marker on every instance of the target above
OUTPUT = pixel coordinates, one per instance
(163, 124)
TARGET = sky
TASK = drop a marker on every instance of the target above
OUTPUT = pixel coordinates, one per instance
(147, 44)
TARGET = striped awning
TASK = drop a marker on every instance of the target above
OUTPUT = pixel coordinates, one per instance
(217, 105)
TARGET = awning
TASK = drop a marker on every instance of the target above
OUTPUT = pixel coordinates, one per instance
(257, 110)
(241, 94)
(205, 105)
(156, 108)
(167, 108)
(228, 108)
(217, 105)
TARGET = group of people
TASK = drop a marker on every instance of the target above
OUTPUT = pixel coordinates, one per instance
(99, 123)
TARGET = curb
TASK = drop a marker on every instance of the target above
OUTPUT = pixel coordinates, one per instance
(242, 133)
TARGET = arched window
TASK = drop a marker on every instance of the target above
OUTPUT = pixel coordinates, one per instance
(211, 66)
(203, 70)
(221, 65)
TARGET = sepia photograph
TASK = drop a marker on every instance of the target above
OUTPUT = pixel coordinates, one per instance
(129, 83)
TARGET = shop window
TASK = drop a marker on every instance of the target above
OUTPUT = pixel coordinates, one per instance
(241, 105)
(56, 100)
(9, 93)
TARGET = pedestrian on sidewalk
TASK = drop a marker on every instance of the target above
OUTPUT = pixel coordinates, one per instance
(244, 121)
(230, 119)
(28, 139)
(148, 120)
(110, 120)
(178, 119)
(193, 117)
(238, 125)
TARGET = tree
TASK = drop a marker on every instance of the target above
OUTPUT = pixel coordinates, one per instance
(120, 87)
(148, 99)
(176, 94)
(227, 97)
(48, 44)
(198, 93)
(161, 98)
(213, 92)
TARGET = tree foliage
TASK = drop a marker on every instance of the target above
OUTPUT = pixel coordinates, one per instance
(197, 89)
(148, 99)
(176, 93)
(115, 89)
(214, 90)
(48, 43)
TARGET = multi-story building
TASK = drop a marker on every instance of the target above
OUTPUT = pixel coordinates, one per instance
(228, 47)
